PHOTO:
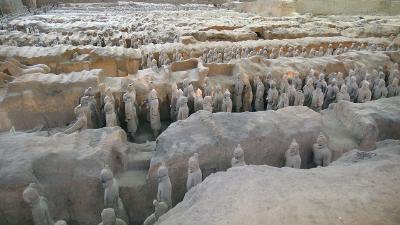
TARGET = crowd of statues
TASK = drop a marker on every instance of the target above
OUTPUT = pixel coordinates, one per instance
(225, 55)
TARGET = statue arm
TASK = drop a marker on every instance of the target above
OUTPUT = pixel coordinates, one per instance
(76, 126)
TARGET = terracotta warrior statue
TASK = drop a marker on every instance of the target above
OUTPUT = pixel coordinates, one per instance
(207, 104)
(190, 98)
(343, 95)
(174, 99)
(207, 87)
(317, 99)
(198, 101)
(292, 156)
(183, 109)
(239, 87)
(273, 97)
(164, 186)
(283, 100)
(40, 209)
(322, 154)
(259, 96)
(109, 217)
(352, 88)
(308, 90)
(218, 99)
(238, 157)
(154, 113)
(299, 98)
(195, 176)
(111, 117)
(227, 102)
(364, 93)
(394, 88)
(111, 194)
(380, 91)
(131, 117)
(160, 208)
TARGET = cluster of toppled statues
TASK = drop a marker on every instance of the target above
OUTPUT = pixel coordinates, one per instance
(227, 54)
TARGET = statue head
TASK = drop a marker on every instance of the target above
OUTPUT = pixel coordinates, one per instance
(199, 93)
(321, 140)
(162, 172)
(294, 147)
(333, 81)
(185, 82)
(321, 49)
(269, 75)
(238, 153)
(190, 88)
(330, 46)
(321, 76)
(30, 194)
(218, 88)
(108, 216)
(61, 222)
(88, 92)
(109, 92)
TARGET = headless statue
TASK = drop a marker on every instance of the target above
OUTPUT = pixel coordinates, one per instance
(109, 217)
(227, 102)
(322, 154)
(160, 208)
(292, 155)
(40, 209)
(80, 123)
(238, 157)
(164, 186)
(195, 176)
(111, 194)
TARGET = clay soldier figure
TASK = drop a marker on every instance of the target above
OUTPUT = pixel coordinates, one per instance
(394, 88)
(207, 104)
(329, 51)
(95, 115)
(185, 85)
(190, 98)
(291, 92)
(195, 176)
(111, 194)
(273, 97)
(352, 88)
(299, 99)
(239, 87)
(40, 209)
(331, 93)
(178, 102)
(164, 186)
(364, 93)
(86, 109)
(198, 101)
(218, 98)
(238, 157)
(207, 87)
(317, 99)
(247, 95)
(322, 154)
(283, 101)
(183, 110)
(308, 90)
(227, 102)
(131, 117)
(321, 81)
(298, 83)
(160, 208)
(259, 96)
(292, 156)
(153, 106)
(343, 95)
(174, 99)
(380, 91)
(111, 118)
(108, 217)
(80, 123)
